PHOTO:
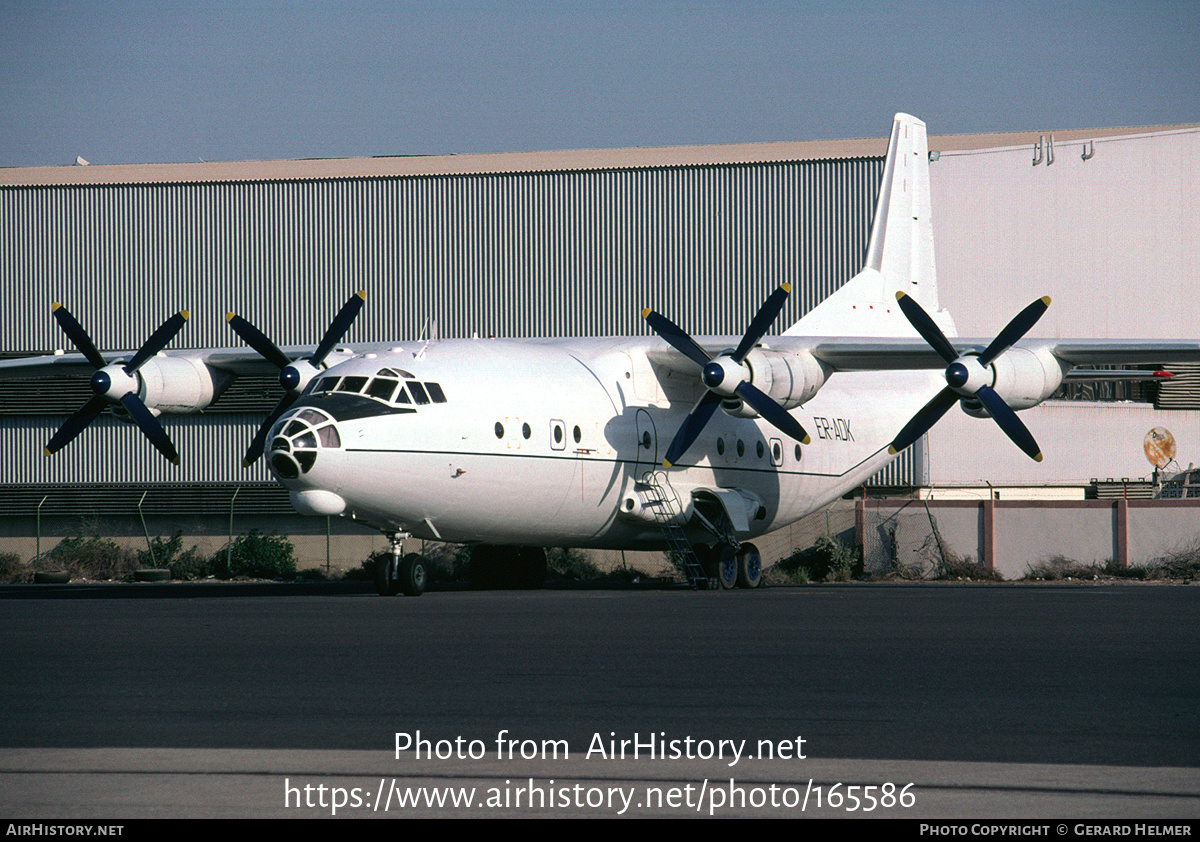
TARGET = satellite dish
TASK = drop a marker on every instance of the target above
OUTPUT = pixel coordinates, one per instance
(1159, 445)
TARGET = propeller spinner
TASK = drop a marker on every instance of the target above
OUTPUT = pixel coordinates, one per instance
(116, 383)
(293, 376)
(725, 376)
(967, 376)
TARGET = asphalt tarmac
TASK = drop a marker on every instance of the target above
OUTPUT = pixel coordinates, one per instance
(915, 701)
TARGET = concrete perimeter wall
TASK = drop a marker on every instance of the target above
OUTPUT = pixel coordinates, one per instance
(1012, 537)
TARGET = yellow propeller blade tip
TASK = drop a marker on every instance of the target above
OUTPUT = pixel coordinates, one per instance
(46, 451)
(54, 306)
(229, 316)
(786, 288)
(806, 440)
(900, 294)
(666, 464)
(892, 451)
(646, 312)
(362, 293)
(186, 315)
(1046, 300)
(1037, 458)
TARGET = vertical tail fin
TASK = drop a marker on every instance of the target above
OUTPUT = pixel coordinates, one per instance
(899, 254)
(901, 247)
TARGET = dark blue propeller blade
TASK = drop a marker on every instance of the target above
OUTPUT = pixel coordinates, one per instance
(925, 326)
(157, 341)
(691, 428)
(77, 335)
(149, 425)
(258, 340)
(676, 338)
(766, 316)
(260, 438)
(76, 424)
(337, 329)
(921, 423)
(773, 412)
(1012, 426)
(1014, 330)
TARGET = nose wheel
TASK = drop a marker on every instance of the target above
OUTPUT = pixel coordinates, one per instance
(398, 573)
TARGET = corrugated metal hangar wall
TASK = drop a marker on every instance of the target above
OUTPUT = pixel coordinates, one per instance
(509, 254)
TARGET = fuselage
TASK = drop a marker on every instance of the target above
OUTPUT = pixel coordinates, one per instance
(536, 442)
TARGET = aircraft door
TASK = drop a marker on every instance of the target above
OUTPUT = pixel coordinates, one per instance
(647, 444)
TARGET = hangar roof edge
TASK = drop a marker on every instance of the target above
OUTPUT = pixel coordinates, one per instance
(514, 162)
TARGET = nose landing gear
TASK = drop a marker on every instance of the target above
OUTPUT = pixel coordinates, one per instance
(398, 573)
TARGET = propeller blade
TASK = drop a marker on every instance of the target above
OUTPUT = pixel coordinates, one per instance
(259, 444)
(157, 341)
(676, 338)
(77, 335)
(920, 423)
(691, 427)
(766, 316)
(1012, 426)
(773, 412)
(925, 326)
(340, 325)
(1014, 330)
(258, 340)
(149, 425)
(76, 424)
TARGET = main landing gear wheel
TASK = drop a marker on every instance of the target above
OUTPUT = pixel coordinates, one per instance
(411, 579)
(386, 583)
(749, 566)
(728, 567)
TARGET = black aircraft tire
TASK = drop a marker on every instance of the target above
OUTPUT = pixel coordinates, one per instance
(412, 575)
(385, 585)
(727, 568)
(749, 568)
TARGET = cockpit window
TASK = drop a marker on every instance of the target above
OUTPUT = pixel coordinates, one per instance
(352, 384)
(382, 388)
(418, 392)
(435, 392)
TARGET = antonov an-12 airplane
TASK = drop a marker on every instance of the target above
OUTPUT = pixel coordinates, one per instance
(622, 442)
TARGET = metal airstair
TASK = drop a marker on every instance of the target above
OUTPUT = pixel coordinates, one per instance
(659, 497)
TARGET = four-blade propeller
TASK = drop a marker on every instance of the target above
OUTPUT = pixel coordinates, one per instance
(293, 376)
(116, 383)
(725, 376)
(967, 377)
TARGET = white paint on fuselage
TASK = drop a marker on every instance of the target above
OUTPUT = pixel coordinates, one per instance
(445, 465)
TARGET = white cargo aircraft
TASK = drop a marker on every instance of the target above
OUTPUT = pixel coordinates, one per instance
(616, 442)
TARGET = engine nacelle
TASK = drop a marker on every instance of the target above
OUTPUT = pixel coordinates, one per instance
(1023, 378)
(179, 385)
(788, 379)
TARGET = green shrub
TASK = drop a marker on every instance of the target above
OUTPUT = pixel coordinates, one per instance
(91, 558)
(570, 564)
(257, 556)
(13, 571)
(828, 559)
(169, 553)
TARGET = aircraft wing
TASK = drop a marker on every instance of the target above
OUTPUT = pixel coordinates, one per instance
(903, 354)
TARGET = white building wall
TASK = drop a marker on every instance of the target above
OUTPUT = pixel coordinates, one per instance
(1115, 241)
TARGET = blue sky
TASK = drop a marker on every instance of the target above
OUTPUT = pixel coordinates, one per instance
(135, 82)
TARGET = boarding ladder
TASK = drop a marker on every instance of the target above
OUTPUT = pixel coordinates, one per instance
(659, 497)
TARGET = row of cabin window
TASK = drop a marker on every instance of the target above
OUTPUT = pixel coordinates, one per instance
(527, 432)
(384, 388)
